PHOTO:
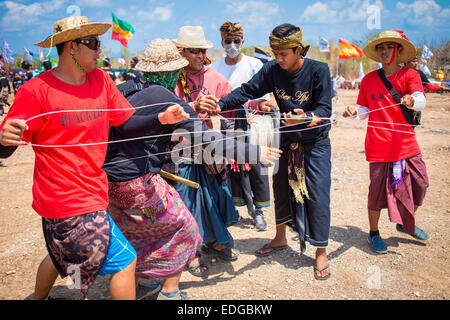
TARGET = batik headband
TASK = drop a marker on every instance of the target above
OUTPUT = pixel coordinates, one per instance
(292, 41)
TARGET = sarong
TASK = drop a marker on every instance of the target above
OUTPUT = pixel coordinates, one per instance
(78, 246)
(400, 201)
(156, 222)
(211, 204)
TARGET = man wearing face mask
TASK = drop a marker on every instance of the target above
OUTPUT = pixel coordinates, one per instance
(249, 186)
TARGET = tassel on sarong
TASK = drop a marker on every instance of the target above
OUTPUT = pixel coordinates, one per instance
(296, 172)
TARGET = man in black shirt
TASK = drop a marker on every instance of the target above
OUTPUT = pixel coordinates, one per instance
(302, 181)
(17, 81)
(427, 85)
(26, 66)
(132, 73)
(108, 70)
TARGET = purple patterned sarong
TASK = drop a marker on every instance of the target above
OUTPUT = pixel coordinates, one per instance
(154, 219)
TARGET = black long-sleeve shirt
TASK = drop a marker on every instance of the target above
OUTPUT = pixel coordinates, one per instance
(309, 89)
(119, 162)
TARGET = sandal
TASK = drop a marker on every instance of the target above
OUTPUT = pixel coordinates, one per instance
(198, 269)
(269, 246)
(320, 271)
(227, 254)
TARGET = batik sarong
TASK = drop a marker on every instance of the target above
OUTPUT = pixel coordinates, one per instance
(78, 246)
(156, 222)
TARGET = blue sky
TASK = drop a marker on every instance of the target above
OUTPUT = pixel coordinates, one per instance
(24, 22)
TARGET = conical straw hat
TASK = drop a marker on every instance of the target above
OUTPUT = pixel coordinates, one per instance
(408, 52)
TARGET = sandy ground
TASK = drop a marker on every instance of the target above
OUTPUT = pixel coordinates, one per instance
(411, 270)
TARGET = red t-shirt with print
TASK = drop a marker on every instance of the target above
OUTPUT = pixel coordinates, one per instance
(69, 181)
(384, 141)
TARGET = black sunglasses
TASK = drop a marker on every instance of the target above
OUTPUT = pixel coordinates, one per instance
(196, 50)
(235, 40)
(91, 43)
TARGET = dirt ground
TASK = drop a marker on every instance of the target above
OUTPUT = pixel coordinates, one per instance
(411, 270)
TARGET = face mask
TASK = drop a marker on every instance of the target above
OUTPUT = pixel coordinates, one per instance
(232, 50)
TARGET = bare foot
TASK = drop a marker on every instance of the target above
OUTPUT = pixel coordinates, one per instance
(321, 263)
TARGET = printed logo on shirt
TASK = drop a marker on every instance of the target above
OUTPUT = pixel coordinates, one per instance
(380, 96)
(300, 96)
(72, 118)
(201, 89)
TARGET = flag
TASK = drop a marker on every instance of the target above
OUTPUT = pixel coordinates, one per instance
(361, 71)
(27, 55)
(122, 31)
(423, 67)
(7, 53)
(263, 54)
(324, 46)
(426, 53)
(348, 50)
(121, 61)
(440, 74)
(41, 55)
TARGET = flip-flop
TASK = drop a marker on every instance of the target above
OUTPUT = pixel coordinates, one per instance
(320, 270)
(268, 246)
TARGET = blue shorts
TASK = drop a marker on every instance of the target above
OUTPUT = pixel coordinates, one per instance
(120, 252)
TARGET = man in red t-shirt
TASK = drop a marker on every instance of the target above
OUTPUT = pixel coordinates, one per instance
(398, 176)
(65, 114)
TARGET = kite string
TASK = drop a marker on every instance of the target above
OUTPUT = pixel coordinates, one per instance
(196, 132)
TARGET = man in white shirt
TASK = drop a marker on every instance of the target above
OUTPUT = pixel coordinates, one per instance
(249, 186)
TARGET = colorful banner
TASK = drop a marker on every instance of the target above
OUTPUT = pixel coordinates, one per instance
(262, 54)
(7, 53)
(426, 53)
(348, 50)
(122, 30)
(324, 46)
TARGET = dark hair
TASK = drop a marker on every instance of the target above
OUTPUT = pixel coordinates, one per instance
(47, 65)
(25, 65)
(107, 62)
(60, 48)
(285, 30)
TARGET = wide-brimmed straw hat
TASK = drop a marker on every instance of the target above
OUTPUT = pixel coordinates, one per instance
(408, 52)
(192, 37)
(72, 28)
(161, 55)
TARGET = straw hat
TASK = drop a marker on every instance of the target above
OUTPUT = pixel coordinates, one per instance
(408, 52)
(161, 55)
(71, 28)
(192, 37)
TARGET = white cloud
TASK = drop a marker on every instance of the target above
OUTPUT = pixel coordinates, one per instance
(20, 15)
(161, 13)
(254, 13)
(339, 11)
(426, 12)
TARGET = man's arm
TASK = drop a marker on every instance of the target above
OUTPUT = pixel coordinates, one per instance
(321, 93)
(258, 86)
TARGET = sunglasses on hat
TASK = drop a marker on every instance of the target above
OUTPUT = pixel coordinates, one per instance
(235, 40)
(196, 50)
(91, 43)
